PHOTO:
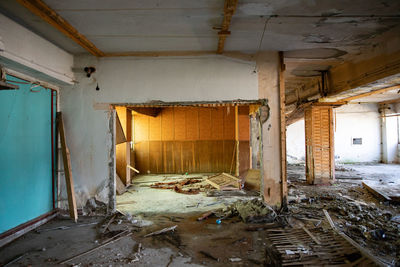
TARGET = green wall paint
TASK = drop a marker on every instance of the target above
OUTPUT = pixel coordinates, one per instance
(25, 154)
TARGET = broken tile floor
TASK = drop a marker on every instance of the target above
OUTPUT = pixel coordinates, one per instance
(373, 224)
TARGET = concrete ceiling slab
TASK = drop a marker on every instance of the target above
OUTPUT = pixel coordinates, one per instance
(24, 17)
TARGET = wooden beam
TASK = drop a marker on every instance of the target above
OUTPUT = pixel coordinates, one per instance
(229, 10)
(69, 181)
(358, 73)
(42, 10)
(282, 118)
(379, 91)
(392, 101)
(237, 139)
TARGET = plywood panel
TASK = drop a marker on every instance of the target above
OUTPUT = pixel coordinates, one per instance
(217, 123)
(180, 123)
(142, 156)
(228, 151)
(120, 154)
(244, 157)
(167, 122)
(244, 123)
(141, 128)
(229, 123)
(192, 124)
(204, 124)
(188, 139)
(204, 154)
(154, 128)
(155, 157)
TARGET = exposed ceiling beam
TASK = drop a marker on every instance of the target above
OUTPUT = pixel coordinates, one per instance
(379, 91)
(391, 101)
(39, 8)
(229, 10)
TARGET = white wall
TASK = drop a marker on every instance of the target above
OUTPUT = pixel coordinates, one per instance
(137, 80)
(357, 121)
(295, 142)
(352, 121)
(28, 53)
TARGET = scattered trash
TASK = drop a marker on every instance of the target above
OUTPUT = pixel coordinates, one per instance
(218, 221)
(253, 211)
(235, 259)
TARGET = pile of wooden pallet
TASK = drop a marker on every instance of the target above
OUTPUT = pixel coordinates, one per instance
(225, 181)
(313, 247)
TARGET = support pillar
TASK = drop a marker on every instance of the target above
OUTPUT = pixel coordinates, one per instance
(320, 157)
(273, 129)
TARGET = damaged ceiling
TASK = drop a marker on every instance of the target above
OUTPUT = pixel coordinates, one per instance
(315, 35)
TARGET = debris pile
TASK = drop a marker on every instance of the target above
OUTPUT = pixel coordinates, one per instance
(182, 186)
(94, 207)
(371, 225)
(252, 211)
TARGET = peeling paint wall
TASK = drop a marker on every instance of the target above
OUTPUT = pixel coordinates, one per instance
(136, 80)
(268, 66)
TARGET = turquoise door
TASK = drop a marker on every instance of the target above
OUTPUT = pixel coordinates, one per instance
(26, 180)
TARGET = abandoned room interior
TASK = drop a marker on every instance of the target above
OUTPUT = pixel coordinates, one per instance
(200, 133)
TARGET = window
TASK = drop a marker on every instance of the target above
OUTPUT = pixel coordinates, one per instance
(357, 141)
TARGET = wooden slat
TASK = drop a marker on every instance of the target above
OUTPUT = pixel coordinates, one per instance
(69, 182)
(40, 9)
(229, 10)
(379, 91)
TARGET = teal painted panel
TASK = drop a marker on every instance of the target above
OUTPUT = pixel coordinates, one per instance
(25, 154)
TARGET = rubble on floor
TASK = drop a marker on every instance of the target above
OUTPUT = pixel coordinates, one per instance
(184, 186)
(251, 211)
(369, 221)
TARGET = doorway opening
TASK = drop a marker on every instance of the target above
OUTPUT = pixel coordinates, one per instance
(167, 154)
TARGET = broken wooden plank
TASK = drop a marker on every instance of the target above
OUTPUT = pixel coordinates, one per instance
(119, 131)
(172, 228)
(133, 169)
(67, 169)
(362, 250)
(377, 193)
(120, 185)
(311, 235)
(108, 224)
(329, 219)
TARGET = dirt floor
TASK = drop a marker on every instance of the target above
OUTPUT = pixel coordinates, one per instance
(241, 237)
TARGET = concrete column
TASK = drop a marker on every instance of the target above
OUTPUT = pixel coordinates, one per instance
(320, 160)
(272, 187)
(389, 134)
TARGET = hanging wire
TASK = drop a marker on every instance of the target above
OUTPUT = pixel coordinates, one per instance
(262, 38)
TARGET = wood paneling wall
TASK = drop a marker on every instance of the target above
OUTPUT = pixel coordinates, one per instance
(190, 139)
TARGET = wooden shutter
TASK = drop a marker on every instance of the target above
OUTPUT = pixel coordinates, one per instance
(319, 144)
